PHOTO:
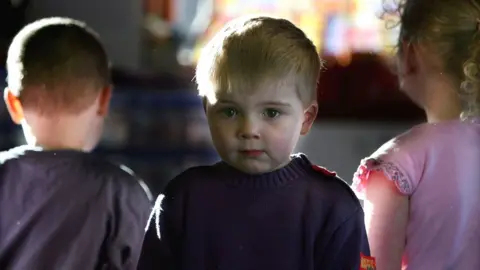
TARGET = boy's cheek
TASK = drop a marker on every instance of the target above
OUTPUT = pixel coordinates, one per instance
(223, 128)
(222, 137)
(283, 142)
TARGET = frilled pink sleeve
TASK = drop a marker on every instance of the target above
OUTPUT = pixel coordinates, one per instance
(401, 160)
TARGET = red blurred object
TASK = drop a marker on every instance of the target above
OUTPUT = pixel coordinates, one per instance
(162, 8)
(364, 89)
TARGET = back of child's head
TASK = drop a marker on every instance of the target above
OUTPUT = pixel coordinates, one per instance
(57, 65)
(451, 28)
(252, 51)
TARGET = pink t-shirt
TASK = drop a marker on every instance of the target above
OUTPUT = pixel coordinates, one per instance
(438, 167)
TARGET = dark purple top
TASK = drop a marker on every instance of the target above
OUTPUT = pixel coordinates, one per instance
(217, 218)
(68, 210)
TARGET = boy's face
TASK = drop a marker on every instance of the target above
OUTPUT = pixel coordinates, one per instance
(257, 132)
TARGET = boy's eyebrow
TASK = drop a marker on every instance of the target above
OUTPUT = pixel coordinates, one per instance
(222, 100)
(265, 103)
(276, 104)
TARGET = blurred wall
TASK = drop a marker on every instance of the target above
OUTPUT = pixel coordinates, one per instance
(339, 146)
(119, 22)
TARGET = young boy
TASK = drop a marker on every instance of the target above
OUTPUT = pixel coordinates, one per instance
(260, 207)
(60, 206)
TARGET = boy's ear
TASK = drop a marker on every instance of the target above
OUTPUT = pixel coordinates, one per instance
(309, 117)
(14, 106)
(104, 100)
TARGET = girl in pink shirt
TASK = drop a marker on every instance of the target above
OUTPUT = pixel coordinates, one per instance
(422, 189)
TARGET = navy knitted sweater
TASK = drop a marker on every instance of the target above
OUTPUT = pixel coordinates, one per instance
(299, 217)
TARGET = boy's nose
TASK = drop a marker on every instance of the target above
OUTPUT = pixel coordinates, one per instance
(248, 130)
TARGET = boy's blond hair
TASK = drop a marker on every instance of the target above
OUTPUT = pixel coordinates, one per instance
(251, 51)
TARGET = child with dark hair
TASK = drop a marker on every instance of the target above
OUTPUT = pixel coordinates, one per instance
(61, 207)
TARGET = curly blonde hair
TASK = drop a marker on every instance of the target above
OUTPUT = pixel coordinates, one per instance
(452, 29)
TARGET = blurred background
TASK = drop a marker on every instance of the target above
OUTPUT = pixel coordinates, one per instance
(157, 126)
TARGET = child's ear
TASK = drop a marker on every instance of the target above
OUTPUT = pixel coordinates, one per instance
(309, 117)
(408, 58)
(104, 100)
(14, 106)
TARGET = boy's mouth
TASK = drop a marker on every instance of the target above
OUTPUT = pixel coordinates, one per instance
(251, 152)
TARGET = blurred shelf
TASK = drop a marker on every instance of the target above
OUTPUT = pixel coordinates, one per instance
(165, 99)
(157, 154)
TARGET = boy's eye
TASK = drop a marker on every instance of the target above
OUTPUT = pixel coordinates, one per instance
(229, 112)
(271, 113)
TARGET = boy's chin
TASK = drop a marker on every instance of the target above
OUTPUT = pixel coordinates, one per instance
(254, 167)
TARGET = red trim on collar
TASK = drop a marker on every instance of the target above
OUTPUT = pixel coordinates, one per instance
(323, 170)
